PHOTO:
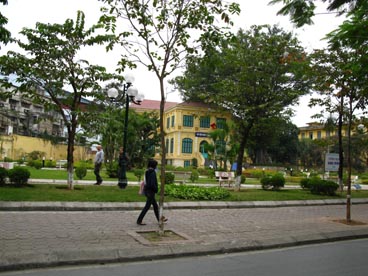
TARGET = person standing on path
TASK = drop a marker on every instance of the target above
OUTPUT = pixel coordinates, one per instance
(150, 190)
(99, 158)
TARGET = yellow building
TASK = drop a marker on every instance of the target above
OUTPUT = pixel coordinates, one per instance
(187, 126)
(316, 131)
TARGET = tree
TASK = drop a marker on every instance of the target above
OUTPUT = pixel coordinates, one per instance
(4, 33)
(338, 77)
(165, 33)
(254, 77)
(301, 12)
(273, 140)
(51, 65)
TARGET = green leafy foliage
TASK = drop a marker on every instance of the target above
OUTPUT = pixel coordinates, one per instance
(318, 186)
(112, 169)
(19, 176)
(35, 163)
(139, 173)
(81, 171)
(274, 182)
(194, 176)
(3, 176)
(255, 76)
(169, 177)
(196, 193)
(51, 63)
(324, 187)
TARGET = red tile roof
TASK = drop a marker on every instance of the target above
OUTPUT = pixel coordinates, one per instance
(153, 105)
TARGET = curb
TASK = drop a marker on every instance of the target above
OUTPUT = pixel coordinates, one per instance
(132, 206)
(73, 258)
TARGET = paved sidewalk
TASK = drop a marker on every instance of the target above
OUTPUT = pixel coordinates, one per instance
(51, 234)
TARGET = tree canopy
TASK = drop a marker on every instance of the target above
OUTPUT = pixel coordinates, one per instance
(52, 74)
(254, 76)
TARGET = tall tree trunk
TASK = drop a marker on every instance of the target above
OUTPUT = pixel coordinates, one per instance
(70, 156)
(348, 152)
(341, 150)
(163, 159)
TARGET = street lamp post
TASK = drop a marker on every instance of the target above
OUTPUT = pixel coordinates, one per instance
(127, 94)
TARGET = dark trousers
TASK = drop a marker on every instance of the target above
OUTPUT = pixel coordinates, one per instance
(150, 200)
(97, 173)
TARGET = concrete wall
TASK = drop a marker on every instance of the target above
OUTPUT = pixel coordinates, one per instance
(17, 147)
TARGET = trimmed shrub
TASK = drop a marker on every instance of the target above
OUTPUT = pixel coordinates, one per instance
(81, 171)
(37, 164)
(196, 193)
(112, 169)
(50, 164)
(19, 176)
(274, 182)
(169, 178)
(139, 173)
(3, 176)
(194, 176)
(324, 187)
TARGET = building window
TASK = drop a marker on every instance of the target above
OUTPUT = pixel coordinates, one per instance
(311, 135)
(168, 122)
(220, 123)
(204, 122)
(186, 163)
(172, 121)
(167, 146)
(187, 145)
(319, 135)
(188, 120)
(303, 135)
(172, 145)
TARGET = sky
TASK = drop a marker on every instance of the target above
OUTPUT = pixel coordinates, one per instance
(25, 13)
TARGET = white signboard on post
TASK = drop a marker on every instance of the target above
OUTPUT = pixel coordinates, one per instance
(332, 162)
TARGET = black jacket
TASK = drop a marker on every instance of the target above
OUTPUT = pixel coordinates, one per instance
(151, 181)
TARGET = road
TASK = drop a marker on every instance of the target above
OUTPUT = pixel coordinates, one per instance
(338, 258)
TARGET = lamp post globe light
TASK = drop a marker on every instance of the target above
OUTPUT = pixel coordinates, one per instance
(128, 93)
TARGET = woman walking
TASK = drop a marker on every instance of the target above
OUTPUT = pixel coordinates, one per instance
(150, 190)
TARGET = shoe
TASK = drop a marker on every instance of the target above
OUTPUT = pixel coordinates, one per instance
(97, 184)
(164, 219)
(140, 223)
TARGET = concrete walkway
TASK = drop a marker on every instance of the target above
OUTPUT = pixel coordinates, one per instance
(45, 234)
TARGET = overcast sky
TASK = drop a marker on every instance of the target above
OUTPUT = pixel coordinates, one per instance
(25, 13)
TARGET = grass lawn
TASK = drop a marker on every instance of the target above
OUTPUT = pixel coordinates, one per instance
(43, 192)
(60, 174)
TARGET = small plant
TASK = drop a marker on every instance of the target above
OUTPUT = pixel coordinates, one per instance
(35, 164)
(274, 182)
(3, 176)
(139, 173)
(112, 169)
(169, 177)
(81, 171)
(19, 176)
(7, 159)
(194, 176)
(50, 164)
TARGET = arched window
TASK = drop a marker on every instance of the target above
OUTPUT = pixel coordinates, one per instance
(187, 145)
(203, 147)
